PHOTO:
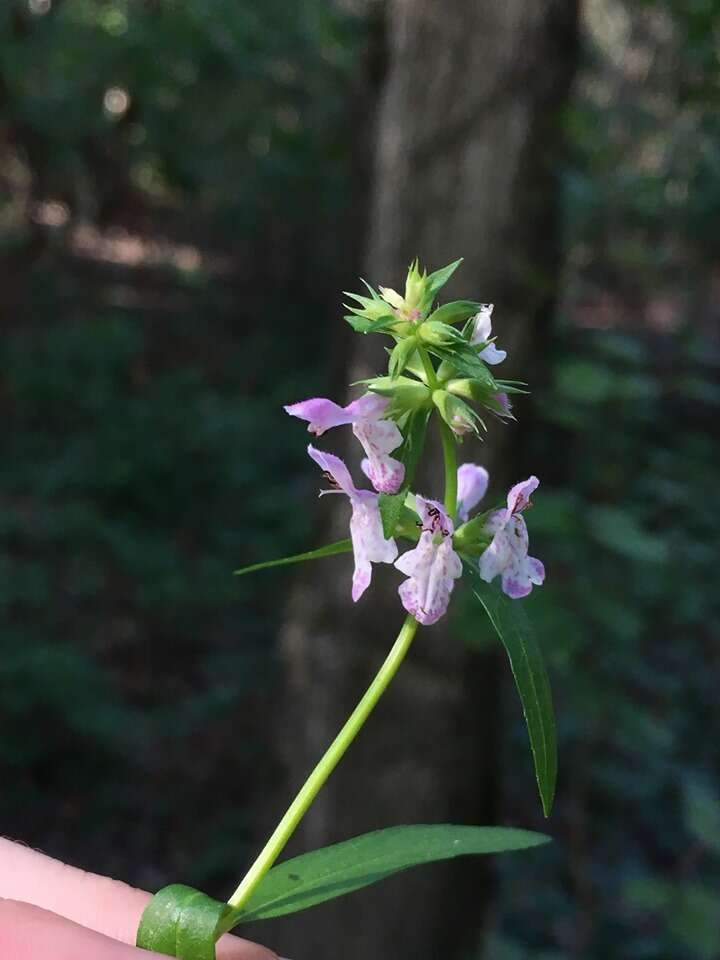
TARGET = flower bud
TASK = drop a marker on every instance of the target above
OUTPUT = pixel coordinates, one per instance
(415, 285)
(400, 355)
(438, 334)
(485, 392)
(405, 394)
(456, 413)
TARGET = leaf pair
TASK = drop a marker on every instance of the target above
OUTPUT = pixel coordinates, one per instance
(185, 923)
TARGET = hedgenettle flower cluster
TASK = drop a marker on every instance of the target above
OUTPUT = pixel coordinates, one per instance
(440, 364)
(438, 368)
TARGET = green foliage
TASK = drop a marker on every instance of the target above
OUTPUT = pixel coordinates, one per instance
(343, 867)
(127, 499)
(229, 104)
(181, 922)
(627, 526)
(528, 667)
(329, 550)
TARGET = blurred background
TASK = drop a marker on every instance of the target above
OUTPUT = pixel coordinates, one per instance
(185, 189)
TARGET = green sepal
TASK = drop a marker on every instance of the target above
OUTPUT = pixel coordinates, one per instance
(415, 286)
(361, 324)
(329, 550)
(464, 359)
(456, 311)
(406, 394)
(445, 371)
(334, 871)
(438, 334)
(440, 277)
(457, 414)
(400, 355)
(533, 685)
(182, 922)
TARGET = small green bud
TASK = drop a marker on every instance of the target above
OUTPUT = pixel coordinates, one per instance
(415, 285)
(446, 371)
(406, 394)
(400, 355)
(489, 394)
(438, 334)
(472, 389)
(456, 413)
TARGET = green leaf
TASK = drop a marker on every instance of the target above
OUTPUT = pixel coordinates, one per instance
(181, 922)
(400, 355)
(364, 325)
(339, 869)
(440, 277)
(526, 661)
(329, 550)
(456, 311)
(465, 360)
(391, 505)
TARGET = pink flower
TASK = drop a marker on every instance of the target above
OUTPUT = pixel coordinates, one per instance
(507, 554)
(472, 485)
(431, 567)
(366, 532)
(378, 437)
(482, 331)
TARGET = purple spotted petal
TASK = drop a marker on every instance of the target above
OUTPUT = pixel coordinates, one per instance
(369, 544)
(370, 406)
(472, 484)
(433, 516)
(379, 438)
(519, 577)
(507, 554)
(366, 531)
(323, 414)
(431, 568)
(336, 468)
(519, 496)
(496, 556)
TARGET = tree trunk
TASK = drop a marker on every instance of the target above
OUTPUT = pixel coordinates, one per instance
(467, 152)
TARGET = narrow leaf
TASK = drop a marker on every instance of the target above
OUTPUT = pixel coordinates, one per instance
(339, 869)
(465, 360)
(513, 627)
(181, 922)
(329, 550)
(361, 324)
(440, 277)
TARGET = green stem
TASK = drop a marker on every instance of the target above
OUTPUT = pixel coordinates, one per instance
(450, 460)
(430, 373)
(325, 767)
(448, 441)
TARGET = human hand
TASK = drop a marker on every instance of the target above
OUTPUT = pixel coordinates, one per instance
(50, 911)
